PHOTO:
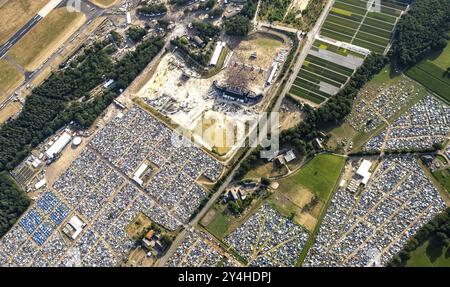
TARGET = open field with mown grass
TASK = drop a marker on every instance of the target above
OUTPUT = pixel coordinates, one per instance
(45, 38)
(432, 77)
(15, 14)
(318, 176)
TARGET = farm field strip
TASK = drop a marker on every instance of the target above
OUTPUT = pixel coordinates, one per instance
(431, 78)
(353, 22)
(326, 72)
(329, 65)
(335, 35)
(381, 41)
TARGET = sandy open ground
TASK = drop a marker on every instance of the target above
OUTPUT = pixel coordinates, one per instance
(253, 71)
(45, 38)
(14, 14)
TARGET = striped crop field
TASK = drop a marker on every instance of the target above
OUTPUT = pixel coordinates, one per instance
(325, 71)
(363, 22)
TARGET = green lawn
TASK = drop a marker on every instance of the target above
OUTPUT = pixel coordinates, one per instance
(219, 225)
(319, 175)
(443, 177)
(430, 254)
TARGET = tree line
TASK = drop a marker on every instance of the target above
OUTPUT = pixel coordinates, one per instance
(422, 30)
(437, 230)
(240, 24)
(13, 202)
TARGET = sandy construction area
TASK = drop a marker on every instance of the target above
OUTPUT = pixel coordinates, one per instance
(14, 14)
(46, 37)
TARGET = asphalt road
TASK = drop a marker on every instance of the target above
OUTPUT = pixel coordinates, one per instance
(16, 37)
(299, 62)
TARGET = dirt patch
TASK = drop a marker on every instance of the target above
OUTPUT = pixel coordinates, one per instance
(306, 220)
(253, 71)
(209, 216)
(43, 40)
(300, 197)
(290, 114)
(317, 209)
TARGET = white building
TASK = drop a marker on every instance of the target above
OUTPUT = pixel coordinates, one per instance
(74, 227)
(363, 171)
(58, 145)
(217, 52)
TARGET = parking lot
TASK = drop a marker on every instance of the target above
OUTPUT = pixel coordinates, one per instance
(99, 188)
(371, 228)
(421, 127)
(198, 250)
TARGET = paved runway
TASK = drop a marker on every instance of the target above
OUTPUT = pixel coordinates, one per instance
(22, 32)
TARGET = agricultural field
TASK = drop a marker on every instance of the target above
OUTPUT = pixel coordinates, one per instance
(10, 78)
(9, 22)
(379, 103)
(104, 3)
(321, 77)
(35, 47)
(434, 73)
(363, 23)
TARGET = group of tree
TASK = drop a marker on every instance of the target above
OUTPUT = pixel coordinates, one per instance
(13, 202)
(202, 58)
(422, 30)
(241, 24)
(180, 2)
(152, 9)
(206, 30)
(136, 33)
(437, 230)
(274, 10)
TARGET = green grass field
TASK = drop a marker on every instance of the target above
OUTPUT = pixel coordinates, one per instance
(430, 254)
(319, 175)
(432, 77)
(443, 177)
